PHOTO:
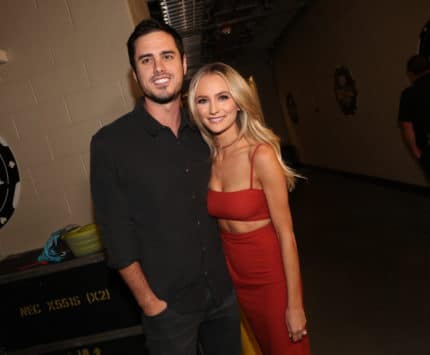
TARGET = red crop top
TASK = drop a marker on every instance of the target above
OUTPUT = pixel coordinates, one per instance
(243, 205)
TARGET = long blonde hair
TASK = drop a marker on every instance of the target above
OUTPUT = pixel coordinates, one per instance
(250, 117)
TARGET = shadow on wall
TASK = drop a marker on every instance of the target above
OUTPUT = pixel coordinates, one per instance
(133, 86)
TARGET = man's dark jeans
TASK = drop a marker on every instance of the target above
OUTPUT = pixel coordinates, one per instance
(215, 331)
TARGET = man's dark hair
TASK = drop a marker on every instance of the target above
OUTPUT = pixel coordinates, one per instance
(417, 64)
(149, 26)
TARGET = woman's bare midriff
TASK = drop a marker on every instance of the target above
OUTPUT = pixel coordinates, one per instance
(231, 226)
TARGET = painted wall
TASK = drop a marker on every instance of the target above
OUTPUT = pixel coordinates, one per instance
(259, 65)
(374, 40)
(67, 76)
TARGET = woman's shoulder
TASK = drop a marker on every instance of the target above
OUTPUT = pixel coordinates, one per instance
(261, 151)
(264, 159)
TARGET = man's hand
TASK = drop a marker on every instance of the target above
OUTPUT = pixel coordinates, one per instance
(154, 307)
(136, 281)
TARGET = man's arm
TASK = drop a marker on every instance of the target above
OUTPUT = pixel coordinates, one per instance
(406, 112)
(115, 226)
(142, 292)
(409, 137)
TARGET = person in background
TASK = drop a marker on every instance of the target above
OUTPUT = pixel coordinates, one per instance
(248, 193)
(414, 111)
(149, 173)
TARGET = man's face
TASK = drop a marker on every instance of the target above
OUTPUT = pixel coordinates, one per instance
(160, 69)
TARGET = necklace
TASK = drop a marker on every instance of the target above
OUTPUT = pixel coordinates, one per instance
(222, 147)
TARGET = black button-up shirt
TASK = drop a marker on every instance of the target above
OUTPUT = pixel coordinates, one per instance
(149, 189)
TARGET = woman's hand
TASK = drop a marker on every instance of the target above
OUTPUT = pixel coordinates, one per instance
(296, 323)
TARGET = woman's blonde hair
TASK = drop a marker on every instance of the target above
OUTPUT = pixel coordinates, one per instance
(249, 117)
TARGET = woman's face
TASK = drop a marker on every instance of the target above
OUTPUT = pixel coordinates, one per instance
(215, 106)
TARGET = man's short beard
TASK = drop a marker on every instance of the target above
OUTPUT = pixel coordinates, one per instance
(162, 100)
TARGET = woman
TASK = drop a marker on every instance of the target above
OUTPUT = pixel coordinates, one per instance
(248, 193)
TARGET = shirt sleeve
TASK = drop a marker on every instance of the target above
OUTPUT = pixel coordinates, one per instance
(111, 209)
(405, 106)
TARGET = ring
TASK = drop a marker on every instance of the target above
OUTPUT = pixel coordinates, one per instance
(304, 332)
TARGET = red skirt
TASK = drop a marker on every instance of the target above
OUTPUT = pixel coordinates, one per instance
(256, 268)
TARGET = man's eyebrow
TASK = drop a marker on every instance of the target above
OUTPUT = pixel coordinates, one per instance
(149, 55)
(144, 56)
(168, 52)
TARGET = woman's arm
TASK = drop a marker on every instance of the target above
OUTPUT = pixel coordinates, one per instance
(271, 176)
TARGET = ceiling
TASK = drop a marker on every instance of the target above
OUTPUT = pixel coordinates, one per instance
(224, 30)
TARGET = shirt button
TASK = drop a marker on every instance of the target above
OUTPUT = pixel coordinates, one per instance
(205, 273)
(187, 170)
(204, 249)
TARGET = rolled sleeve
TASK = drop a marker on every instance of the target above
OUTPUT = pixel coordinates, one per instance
(111, 209)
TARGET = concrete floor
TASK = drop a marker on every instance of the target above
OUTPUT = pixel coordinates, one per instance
(364, 250)
(365, 259)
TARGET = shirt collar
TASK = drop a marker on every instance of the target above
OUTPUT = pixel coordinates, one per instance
(152, 126)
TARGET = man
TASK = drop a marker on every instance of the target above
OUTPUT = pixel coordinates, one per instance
(149, 176)
(414, 110)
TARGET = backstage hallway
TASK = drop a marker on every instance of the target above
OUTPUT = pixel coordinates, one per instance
(364, 249)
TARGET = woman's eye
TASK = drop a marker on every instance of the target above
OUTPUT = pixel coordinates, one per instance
(201, 101)
(223, 97)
